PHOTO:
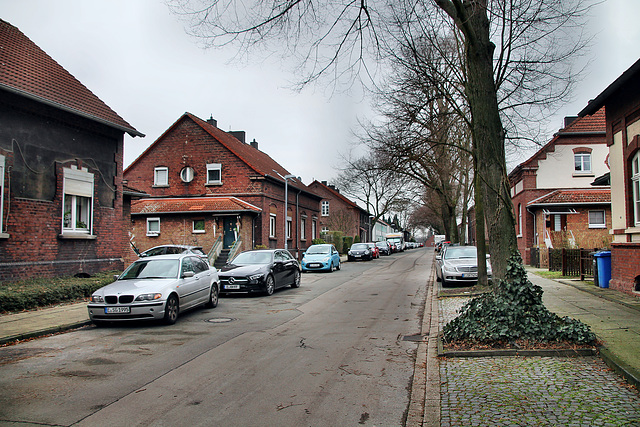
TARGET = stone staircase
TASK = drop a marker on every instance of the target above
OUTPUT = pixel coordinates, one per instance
(222, 259)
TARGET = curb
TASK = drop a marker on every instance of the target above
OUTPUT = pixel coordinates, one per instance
(42, 332)
(621, 368)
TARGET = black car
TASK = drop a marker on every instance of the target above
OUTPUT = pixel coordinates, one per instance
(263, 270)
(384, 247)
(360, 251)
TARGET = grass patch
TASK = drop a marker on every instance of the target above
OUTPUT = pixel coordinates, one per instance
(41, 292)
(552, 274)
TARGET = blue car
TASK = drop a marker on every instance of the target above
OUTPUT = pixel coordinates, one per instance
(323, 257)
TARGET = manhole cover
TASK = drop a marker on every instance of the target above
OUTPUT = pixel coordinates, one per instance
(415, 338)
(220, 320)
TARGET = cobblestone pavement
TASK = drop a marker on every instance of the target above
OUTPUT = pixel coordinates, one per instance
(532, 391)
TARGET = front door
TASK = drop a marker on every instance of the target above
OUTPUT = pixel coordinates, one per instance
(229, 233)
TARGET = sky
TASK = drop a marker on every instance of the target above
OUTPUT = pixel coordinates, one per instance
(137, 57)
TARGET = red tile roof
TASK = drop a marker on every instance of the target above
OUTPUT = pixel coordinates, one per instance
(594, 123)
(191, 204)
(27, 70)
(577, 196)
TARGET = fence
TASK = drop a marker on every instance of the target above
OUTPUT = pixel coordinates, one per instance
(571, 262)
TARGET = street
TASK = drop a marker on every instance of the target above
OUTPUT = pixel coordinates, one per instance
(333, 352)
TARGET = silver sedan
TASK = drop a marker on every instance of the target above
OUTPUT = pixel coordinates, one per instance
(459, 264)
(156, 288)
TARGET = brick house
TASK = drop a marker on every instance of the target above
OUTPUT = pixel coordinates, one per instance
(622, 102)
(554, 203)
(209, 188)
(338, 213)
(61, 152)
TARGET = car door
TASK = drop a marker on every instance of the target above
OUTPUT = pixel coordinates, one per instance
(203, 272)
(290, 266)
(190, 283)
(279, 269)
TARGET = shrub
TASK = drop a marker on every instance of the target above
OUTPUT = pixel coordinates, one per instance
(348, 241)
(356, 239)
(40, 292)
(514, 311)
(318, 242)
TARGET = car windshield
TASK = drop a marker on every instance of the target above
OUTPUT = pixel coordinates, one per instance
(359, 246)
(249, 258)
(152, 269)
(381, 244)
(318, 250)
(454, 252)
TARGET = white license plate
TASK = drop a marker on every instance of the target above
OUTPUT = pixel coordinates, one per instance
(357, 256)
(117, 310)
(315, 265)
(470, 276)
(232, 286)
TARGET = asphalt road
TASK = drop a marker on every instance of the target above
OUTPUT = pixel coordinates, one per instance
(338, 351)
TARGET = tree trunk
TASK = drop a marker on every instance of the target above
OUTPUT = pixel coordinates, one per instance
(481, 240)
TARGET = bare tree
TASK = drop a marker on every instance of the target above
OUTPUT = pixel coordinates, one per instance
(523, 74)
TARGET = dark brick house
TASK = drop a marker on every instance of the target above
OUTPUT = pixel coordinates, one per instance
(209, 188)
(621, 99)
(338, 213)
(553, 200)
(61, 148)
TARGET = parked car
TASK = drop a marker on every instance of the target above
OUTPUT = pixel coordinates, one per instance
(359, 251)
(324, 257)
(156, 288)
(262, 270)
(374, 250)
(384, 247)
(459, 264)
(175, 249)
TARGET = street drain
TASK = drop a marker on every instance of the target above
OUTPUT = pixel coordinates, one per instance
(220, 320)
(415, 338)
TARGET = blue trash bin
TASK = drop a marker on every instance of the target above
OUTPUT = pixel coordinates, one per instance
(603, 259)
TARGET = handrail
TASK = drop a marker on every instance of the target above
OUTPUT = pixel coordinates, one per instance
(214, 253)
(234, 249)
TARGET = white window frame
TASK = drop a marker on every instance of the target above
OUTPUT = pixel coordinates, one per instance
(635, 183)
(158, 179)
(289, 227)
(593, 224)
(272, 225)
(325, 230)
(198, 231)
(325, 208)
(77, 201)
(519, 219)
(303, 226)
(2, 163)
(186, 174)
(579, 162)
(214, 167)
(153, 233)
(314, 229)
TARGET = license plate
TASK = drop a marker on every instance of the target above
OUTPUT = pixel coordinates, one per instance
(117, 310)
(315, 265)
(232, 286)
(470, 276)
(357, 256)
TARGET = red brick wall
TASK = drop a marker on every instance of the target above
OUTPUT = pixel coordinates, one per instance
(625, 267)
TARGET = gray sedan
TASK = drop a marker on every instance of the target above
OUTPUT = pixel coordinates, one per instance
(459, 264)
(156, 288)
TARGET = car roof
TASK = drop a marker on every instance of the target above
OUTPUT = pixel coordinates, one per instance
(175, 246)
(167, 256)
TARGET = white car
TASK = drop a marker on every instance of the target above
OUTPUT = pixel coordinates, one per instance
(459, 264)
(156, 288)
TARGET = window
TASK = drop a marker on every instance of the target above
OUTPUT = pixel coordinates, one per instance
(596, 219)
(582, 162)
(77, 212)
(272, 225)
(153, 226)
(161, 177)
(557, 223)
(1, 195)
(325, 208)
(519, 220)
(288, 227)
(214, 173)
(186, 174)
(198, 226)
(325, 230)
(635, 183)
(303, 227)
(314, 227)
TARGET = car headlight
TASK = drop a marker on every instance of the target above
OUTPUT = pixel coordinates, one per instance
(148, 297)
(255, 277)
(450, 269)
(97, 298)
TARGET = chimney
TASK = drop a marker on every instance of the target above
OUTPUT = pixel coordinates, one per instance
(238, 134)
(212, 121)
(569, 119)
(324, 182)
(254, 143)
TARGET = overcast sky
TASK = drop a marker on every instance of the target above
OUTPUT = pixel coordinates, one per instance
(137, 58)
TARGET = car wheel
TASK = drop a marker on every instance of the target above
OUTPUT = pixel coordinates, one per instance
(171, 309)
(296, 279)
(270, 286)
(213, 296)
(445, 284)
(339, 266)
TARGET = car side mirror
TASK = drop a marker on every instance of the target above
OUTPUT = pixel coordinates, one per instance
(116, 276)
(188, 274)
(438, 256)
